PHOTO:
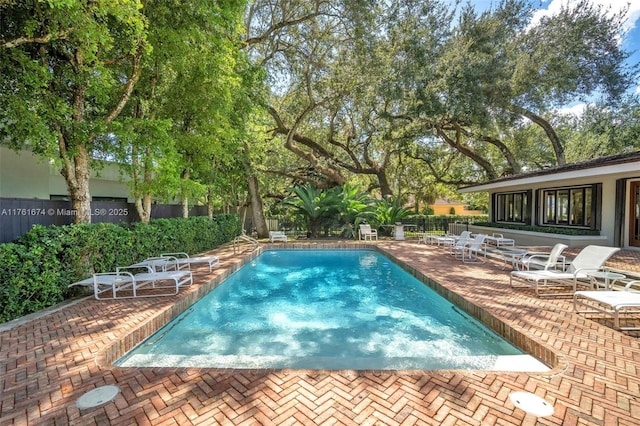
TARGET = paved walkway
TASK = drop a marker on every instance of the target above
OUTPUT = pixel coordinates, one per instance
(49, 361)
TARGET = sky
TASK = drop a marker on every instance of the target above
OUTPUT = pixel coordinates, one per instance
(631, 32)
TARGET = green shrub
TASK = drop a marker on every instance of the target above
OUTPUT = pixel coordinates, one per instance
(534, 228)
(35, 271)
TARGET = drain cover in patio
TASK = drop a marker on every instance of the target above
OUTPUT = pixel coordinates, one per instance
(97, 397)
(531, 403)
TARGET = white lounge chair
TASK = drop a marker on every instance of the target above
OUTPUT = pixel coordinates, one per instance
(539, 260)
(182, 258)
(277, 236)
(590, 258)
(164, 262)
(366, 231)
(115, 283)
(610, 302)
(500, 241)
(457, 245)
(447, 239)
(473, 248)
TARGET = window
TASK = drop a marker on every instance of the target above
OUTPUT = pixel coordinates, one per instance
(512, 207)
(569, 206)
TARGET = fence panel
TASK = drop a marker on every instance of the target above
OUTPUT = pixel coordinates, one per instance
(166, 211)
(18, 215)
(113, 212)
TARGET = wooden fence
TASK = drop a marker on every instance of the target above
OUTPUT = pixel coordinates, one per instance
(18, 215)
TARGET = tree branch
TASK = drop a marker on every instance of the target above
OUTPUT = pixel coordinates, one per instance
(504, 149)
(9, 44)
(278, 26)
(331, 173)
(465, 150)
(558, 148)
(133, 79)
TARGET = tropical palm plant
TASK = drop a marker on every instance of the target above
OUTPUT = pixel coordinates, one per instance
(316, 206)
(389, 212)
(343, 206)
(355, 207)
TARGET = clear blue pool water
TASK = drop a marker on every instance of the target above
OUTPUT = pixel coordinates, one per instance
(326, 310)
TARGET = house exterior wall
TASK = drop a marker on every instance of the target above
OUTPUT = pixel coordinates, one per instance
(443, 206)
(587, 177)
(444, 209)
(460, 210)
(25, 175)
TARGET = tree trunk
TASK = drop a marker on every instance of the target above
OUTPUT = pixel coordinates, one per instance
(143, 207)
(385, 188)
(186, 174)
(75, 171)
(80, 195)
(142, 200)
(257, 207)
(210, 202)
(185, 206)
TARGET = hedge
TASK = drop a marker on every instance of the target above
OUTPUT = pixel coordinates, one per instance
(36, 269)
(535, 228)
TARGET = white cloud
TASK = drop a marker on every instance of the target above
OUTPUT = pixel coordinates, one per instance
(576, 110)
(615, 6)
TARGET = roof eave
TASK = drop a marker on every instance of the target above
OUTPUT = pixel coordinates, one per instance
(605, 170)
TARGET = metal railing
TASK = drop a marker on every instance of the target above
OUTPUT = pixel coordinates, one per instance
(244, 237)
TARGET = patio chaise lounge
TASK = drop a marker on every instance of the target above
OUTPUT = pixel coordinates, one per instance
(277, 236)
(182, 259)
(115, 283)
(591, 258)
(448, 239)
(499, 240)
(610, 302)
(457, 243)
(540, 260)
(162, 263)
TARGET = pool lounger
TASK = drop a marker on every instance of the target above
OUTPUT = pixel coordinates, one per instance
(610, 302)
(183, 259)
(114, 282)
(499, 240)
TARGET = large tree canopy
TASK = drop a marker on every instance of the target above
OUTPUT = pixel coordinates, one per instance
(360, 88)
(156, 85)
(68, 69)
(397, 96)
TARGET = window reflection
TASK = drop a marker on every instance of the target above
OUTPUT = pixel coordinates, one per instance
(568, 206)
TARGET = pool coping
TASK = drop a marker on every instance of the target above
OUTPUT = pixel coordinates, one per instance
(556, 362)
(47, 363)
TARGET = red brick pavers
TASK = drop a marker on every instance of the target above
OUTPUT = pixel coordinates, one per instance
(48, 362)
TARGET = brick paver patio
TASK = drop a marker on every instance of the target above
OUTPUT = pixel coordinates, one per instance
(48, 361)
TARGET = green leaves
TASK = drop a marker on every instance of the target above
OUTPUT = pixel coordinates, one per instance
(343, 207)
(193, 79)
(315, 205)
(388, 212)
(36, 270)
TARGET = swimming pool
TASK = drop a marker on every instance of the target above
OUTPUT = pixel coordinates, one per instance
(323, 309)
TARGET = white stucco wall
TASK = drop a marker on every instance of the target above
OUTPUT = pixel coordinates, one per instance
(607, 176)
(25, 175)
